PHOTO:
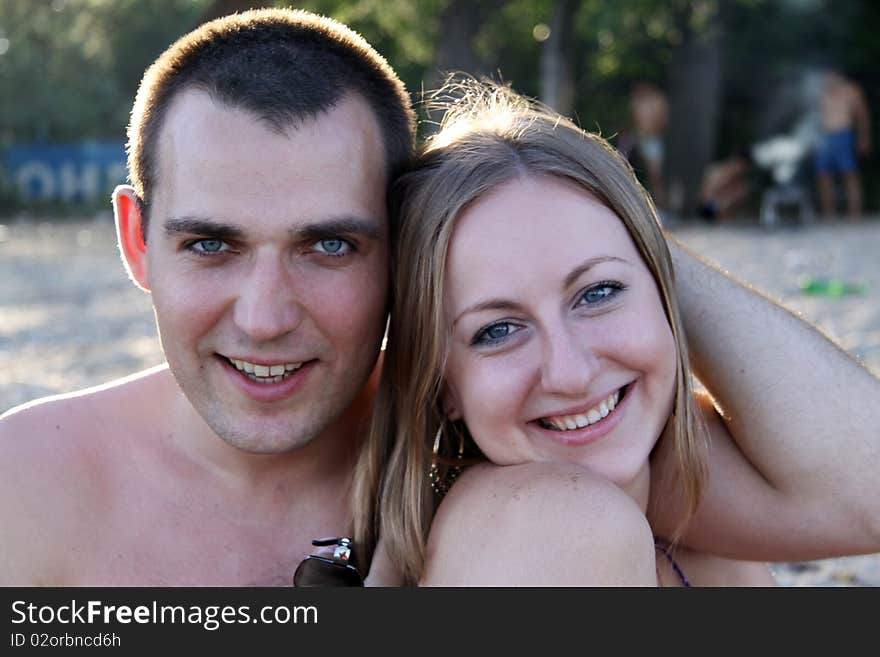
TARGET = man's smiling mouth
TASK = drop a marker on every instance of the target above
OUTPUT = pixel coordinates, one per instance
(265, 373)
(578, 421)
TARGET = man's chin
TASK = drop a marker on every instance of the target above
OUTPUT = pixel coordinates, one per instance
(277, 436)
(268, 442)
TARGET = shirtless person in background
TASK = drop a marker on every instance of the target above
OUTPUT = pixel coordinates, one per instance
(846, 135)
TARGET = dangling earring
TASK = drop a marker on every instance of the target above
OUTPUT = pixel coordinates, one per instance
(439, 484)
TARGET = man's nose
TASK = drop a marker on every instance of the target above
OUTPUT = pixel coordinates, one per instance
(267, 306)
(569, 363)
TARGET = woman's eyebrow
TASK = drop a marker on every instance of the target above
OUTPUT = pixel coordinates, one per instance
(589, 264)
(507, 304)
(490, 304)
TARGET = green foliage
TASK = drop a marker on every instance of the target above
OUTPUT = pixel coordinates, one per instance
(69, 68)
(404, 31)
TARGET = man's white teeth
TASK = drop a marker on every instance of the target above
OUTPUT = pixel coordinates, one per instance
(266, 373)
(581, 420)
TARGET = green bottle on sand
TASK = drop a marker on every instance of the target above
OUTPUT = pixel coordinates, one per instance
(829, 287)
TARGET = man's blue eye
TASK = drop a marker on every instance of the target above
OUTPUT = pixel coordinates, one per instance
(334, 246)
(208, 246)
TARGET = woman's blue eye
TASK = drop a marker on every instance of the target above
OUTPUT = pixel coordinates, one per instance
(498, 331)
(601, 292)
(494, 333)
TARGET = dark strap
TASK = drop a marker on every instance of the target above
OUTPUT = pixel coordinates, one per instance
(660, 546)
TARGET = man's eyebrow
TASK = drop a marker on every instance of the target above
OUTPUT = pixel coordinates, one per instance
(319, 230)
(587, 265)
(312, 231)
(197, 226)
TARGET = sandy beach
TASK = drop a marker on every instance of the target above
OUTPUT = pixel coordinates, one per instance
(67, 305)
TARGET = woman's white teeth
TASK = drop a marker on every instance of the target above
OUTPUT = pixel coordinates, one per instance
(266, 373)
(581, 420)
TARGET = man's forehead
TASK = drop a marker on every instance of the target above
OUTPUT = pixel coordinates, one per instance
(211, 154)
(192, 109)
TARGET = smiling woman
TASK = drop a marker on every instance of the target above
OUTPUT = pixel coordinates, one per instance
(537, 336)
(534, 318)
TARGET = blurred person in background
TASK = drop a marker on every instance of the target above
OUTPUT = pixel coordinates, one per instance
(725, 188)
(845, 137)
(649, 111)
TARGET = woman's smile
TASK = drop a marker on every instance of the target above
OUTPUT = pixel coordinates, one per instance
(576, 429)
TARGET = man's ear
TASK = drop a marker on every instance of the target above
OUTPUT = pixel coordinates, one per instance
(130, 234)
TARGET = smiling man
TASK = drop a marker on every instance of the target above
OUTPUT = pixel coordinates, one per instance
(261, 146)
(268, 276)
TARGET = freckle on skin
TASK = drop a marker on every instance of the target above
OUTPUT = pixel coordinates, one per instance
(57, 426)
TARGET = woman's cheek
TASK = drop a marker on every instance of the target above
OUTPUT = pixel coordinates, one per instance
(492, 399)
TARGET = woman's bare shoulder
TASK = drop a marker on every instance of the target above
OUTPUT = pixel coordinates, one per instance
(538, 524)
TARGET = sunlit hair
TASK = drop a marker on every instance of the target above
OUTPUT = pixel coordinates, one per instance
(488, 137)
(284, 66)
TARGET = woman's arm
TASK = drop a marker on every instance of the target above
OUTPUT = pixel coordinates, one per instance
(799, 479)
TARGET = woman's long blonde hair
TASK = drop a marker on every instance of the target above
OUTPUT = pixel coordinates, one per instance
(489, 135)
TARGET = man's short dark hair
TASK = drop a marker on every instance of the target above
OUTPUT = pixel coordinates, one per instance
(285, 66)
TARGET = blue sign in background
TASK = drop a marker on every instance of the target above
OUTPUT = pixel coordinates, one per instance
(65, 172)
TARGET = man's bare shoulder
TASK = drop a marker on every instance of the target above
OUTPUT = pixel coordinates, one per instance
(52, 453)
(66, 432)
(88, 407)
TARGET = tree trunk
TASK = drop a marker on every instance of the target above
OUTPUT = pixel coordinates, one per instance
(455, 53)
(557, 70)
(695, 89)
(460, 24)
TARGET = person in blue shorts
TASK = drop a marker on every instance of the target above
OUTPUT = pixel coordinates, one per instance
(846, 135)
